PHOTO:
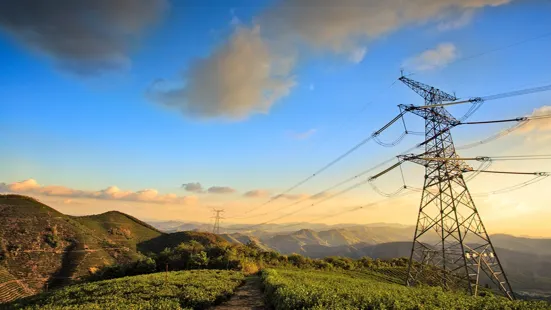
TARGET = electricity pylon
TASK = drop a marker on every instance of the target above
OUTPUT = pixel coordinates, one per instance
(451, 245)
(217, 217)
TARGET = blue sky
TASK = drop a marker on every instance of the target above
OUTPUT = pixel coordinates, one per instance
(91, 131)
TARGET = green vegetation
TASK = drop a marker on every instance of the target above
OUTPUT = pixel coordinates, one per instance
(314, 289)
(196, 289)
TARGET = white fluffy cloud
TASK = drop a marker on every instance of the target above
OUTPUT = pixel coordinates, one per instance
(254, 68)
(241, 77)
(432, 59)
(30, 186)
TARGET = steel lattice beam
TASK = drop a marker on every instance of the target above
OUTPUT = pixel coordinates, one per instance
(451, 246)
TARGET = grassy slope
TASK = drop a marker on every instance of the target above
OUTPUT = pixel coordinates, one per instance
(80, 243)
(303, 289)
(197, 289)
(120, 228)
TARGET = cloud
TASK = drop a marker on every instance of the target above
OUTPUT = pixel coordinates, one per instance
(221, 190)
(433, 59)
(464, 19)
(292, 196)
(304, 135)
(240, 78)
(30, 186)
(357, 55)
(193, 187)
(83, 37)
(257, 193)
(235, 21)
(254, 69)
(320, 195)
(540, 125)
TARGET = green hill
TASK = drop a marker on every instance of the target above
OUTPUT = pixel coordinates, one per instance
(41, 247)
(119, 228)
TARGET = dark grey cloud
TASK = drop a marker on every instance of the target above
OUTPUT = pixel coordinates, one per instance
(84, 37)
(221, 190)
(193, 187)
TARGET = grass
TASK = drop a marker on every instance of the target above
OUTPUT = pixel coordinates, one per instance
(196, 289)
(314, 289)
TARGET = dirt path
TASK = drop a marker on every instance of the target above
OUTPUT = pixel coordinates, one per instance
(247, 297)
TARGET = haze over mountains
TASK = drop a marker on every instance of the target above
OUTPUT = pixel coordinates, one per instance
(527, 261)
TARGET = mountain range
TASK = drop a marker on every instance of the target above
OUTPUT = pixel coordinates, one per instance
(527, 261)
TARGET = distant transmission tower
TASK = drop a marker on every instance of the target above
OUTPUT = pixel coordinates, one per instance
(451, 245)
(217, 217)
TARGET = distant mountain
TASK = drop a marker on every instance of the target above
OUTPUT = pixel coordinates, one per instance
(537, 246)
(173, 226)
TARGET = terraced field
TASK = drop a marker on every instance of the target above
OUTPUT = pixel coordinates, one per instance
(11, 288)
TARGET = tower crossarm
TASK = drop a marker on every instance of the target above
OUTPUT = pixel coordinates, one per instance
(429, 93)
(432, 113)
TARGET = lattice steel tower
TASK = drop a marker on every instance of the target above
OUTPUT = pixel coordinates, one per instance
(451, 246)
(217, 217)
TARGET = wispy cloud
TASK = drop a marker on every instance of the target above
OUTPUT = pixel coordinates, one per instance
(30, 186)
(303, 135)
(83, 37)
(257, 193)
(462, 20)
(254, 69)
(432, 59)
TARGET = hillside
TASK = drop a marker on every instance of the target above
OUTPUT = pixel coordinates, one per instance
(196, 289)
(287, 289)
(41, 247)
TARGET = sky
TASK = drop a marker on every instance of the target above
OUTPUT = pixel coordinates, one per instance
(168, 109)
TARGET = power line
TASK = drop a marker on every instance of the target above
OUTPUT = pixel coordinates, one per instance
(521, 120)
(492, 97)
(331, 163)
(332, 187)
(547, 34)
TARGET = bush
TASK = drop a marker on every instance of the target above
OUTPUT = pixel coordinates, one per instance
(51, 240)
